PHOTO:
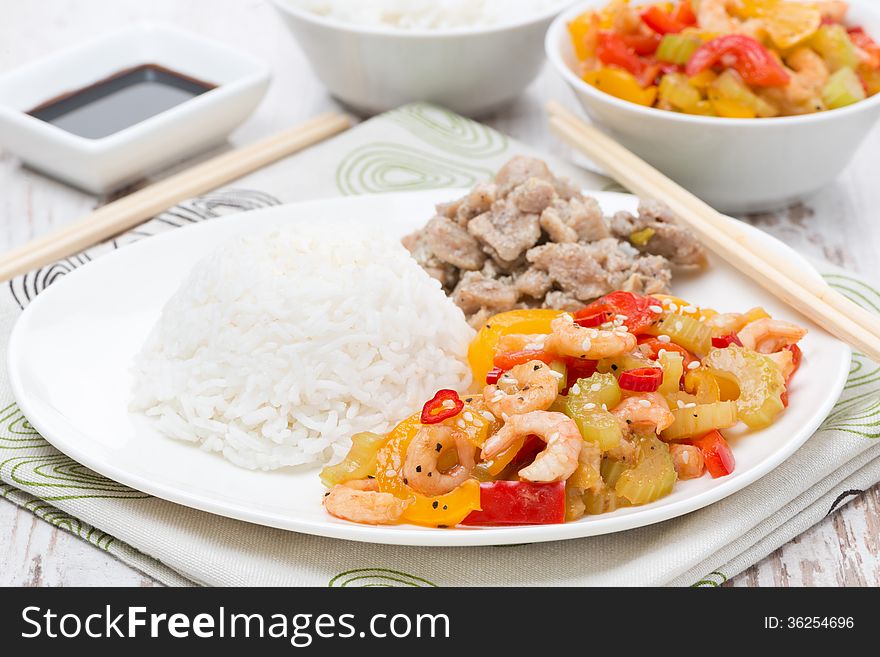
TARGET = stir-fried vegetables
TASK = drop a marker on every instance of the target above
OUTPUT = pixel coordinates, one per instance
(577, 416)
(747, 59)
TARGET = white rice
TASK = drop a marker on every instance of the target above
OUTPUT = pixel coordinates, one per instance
(427, 14)
(279, 346)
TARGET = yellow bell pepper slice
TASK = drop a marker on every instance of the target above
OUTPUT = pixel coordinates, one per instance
(481, 351)
(431, 511)
(621, 84)
(579, 30)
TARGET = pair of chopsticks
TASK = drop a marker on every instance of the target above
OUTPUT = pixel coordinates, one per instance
(724, 237)
(146, 203)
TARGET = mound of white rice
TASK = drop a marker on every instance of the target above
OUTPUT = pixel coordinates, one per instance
(280, 346)
(427, 14)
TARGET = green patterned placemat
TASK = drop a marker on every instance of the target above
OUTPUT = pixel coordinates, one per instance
(422, 147)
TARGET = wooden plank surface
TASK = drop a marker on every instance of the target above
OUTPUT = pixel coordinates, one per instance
(839, 224)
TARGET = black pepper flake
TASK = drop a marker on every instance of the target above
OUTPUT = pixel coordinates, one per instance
(429, 474)
(488, 326)
(442, 526)
(445, 508)
(521, 398)
(537, 367)
(327, 493)
(439, 447)
(418, 468)
(370, 477)
(695, 415)
(435, 504)
(469, 399)
(613, 366)
(405, 480)
(629, 421)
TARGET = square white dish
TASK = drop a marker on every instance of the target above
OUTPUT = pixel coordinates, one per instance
(100, 165)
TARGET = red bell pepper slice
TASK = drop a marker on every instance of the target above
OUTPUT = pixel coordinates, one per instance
(613, 51)
(519, 503)
(642, 44)
(596, 319)
(513, 358)
(636, 309)
(532, 446)
(685, 13)
(744, 54)
(576, 368)
(717, 454)
(726, 340)
(643, 379)
(444, 405)
(661, 22)
(654, 346)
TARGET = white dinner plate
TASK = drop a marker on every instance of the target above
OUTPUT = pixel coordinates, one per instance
(71, 351)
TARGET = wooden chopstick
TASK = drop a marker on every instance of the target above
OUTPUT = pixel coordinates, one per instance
(722, 236)
(146, 203)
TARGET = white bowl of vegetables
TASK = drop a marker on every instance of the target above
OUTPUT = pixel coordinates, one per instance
(716, 112)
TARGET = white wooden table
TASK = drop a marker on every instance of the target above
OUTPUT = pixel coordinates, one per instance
(840, 225)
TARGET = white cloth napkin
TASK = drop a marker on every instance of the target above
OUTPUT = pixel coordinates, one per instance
(421, 147)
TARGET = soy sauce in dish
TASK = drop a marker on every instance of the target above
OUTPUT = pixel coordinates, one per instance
(119, 101)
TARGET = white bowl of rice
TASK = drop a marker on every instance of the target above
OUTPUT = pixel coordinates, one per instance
(472, 56)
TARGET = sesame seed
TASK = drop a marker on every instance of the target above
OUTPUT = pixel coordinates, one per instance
(693, 365)
(656, 309)
(589, 406)
(605, 325)
(604, 407)
(596, 387)
(664, 338)
(558, 375)
(575, 389)
(690, 405)
(460, 424)
(568, 318)
(555, 436)
(680, 403)
(448, 403)
(505, 417)
(661, 353)
(587, 343)
(685, 456)
(673, 307)
(690, 309)
(702, 318)
(498, 396)
(488, 416)
(645, 403)
(468, 416)
(622, 318)
(679, 326)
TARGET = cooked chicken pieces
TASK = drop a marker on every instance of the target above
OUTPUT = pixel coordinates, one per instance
(529, 239)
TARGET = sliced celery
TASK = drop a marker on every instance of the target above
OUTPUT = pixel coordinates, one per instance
(677, 48)
(759, 381)
(675, 90)
(843, 88)
(623, 362)
(585, 406)
(359, 463)
(602, 501)
(673, 367)
(611, 470)
(653, 476)
(700, 419)
(835, 46)
(686, 331)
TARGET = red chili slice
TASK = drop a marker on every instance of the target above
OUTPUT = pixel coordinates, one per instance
(493, 375)
(643, 379)
(661, 22)
(726, 341)
(436, 410)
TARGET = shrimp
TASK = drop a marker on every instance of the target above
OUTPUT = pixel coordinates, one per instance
(361, 501)
(784, 361)
(834, 10)
(687, 460)
(532, 386)
(712, 16)
(641, 412)
(767, 336)
(420, 466)
(558, 460)
(810, 73)
(571, 339)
